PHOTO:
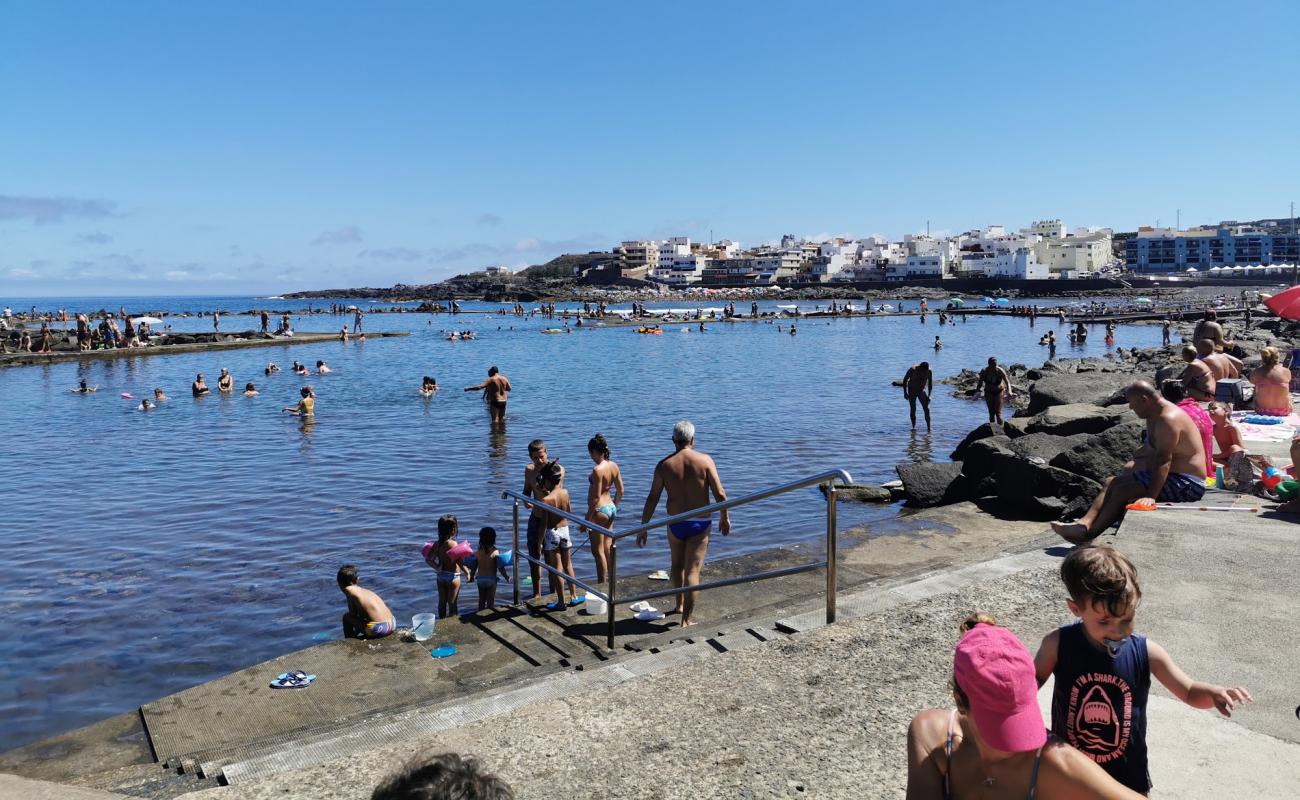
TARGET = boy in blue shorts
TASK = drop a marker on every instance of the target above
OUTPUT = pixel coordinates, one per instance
(1103, 670)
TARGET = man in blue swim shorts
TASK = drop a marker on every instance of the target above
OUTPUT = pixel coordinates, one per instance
(689, 476)
(1168, 467)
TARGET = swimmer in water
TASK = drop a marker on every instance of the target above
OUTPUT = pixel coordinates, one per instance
(271, 367)
(300, 369)
(199, 387)
(82, 388)
(145, 405)
(792, 330)
(225, 383)
(158, 395)
(428, 387)
(938, 345)
(250, 390)
(306, 406)
(322, 369)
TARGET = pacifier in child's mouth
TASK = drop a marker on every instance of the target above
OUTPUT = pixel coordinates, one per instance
(1113, 646)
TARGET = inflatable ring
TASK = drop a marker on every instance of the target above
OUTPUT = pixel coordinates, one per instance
(1260, 419)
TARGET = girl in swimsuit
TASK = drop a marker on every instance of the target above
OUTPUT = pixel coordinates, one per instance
(439, 557)
(603, 497)
(486, 568)
(556, 542)
(994, 745)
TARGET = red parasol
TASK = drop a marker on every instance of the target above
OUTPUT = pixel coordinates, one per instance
(1286, 304)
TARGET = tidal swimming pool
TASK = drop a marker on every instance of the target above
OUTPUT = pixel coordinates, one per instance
(148, 552)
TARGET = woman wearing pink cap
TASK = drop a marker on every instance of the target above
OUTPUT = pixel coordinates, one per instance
(994, 744)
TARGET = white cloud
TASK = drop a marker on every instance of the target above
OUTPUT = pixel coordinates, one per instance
(348, 234)
(21, 273)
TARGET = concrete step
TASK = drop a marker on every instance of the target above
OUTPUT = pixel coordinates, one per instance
(660, 652)
(155, 781)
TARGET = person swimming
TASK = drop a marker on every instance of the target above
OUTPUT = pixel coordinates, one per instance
(158, 395)
(322, 368)
(250, 390)
(82, 388)
(429, 386)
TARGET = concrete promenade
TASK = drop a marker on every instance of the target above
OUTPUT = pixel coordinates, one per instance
(824, 713)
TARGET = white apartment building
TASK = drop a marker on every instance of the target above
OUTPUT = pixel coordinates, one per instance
(1046, 228)
(677, 265)
(1074, 256)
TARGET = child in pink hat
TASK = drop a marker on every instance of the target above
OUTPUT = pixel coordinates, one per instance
(994, 742)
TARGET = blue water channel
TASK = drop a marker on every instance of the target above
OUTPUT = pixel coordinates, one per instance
(147, 552)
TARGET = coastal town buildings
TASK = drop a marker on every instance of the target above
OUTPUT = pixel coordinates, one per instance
(1164, 250)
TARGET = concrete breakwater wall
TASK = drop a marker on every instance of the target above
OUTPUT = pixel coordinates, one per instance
(64, 346)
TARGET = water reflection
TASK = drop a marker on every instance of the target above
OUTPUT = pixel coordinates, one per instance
(498, 442)
(920, 448)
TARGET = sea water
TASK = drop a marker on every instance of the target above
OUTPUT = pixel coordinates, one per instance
(145, 552)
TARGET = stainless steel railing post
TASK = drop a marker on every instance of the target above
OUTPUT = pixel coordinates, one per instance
(830, 551)
(514, 562)
(613, 593)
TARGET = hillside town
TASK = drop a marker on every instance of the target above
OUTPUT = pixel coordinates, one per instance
(1046, 249)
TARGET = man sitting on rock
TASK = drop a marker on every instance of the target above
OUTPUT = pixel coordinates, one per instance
(1222, 365)
(1209, 328)
(1197, 376)
(1168, 466)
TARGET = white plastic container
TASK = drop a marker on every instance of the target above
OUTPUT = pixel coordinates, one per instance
(423, 626)
(595, 606)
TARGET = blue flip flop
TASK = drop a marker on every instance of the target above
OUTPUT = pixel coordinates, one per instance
(554, 606)
(577, 601)
(443, 650)
(292, 680)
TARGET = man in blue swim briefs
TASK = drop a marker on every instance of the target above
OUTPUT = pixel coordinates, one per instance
(689, 476)
(537, 458)
(1168, 467)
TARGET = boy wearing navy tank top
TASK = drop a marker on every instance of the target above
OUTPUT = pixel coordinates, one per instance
(1103, 669)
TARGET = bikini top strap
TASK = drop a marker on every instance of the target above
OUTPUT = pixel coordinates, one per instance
(947, 750)
(1033, 776)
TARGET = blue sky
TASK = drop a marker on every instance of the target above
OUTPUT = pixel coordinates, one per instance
(175, 148)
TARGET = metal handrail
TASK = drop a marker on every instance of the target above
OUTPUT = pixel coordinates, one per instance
(826, 480)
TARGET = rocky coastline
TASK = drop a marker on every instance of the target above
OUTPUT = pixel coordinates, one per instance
(1071, 429)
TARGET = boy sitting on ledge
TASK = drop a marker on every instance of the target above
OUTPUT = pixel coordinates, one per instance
(367, 616)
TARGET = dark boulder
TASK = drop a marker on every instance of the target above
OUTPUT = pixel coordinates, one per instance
(1067, 420)
(982, 432)
(1101, 456)
(926, 485)
(1044, 446)
(1042, 491)
(1097, 388)
(982, 457)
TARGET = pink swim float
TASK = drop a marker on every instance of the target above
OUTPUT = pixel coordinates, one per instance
(127, 396)
(460, 551)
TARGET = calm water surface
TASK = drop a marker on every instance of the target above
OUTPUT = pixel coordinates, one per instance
(147, 552)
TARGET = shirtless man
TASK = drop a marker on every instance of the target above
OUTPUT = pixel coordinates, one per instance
(1197, 376)
(367, 616)
(498, 392)
(1209, 328)
(199, 388)
(918, 384)
(689, 476)
(1222, 365)
(225, 383)
(537, 519)
(1168, 467)
(994, 382)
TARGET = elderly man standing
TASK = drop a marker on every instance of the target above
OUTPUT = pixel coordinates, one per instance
(689, 476)
(1168, 467)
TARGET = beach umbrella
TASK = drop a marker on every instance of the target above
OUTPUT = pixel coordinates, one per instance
(1142, 300)
(147, 321)
(1002, 300)
(1191, 269)
(957, 301)
(1286, 304)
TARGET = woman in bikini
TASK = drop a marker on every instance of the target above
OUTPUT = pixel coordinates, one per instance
(1272, 385)
(994, 745)
(603, 496)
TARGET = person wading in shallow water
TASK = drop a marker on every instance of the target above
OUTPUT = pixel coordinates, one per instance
(498, 393)
(689, 476)
(918, 384)
(995, 382)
